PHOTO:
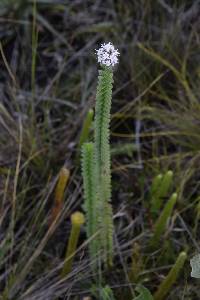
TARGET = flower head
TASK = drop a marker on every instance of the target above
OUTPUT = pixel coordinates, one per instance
(107, 55)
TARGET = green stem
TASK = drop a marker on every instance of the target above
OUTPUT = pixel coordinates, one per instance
(102, 161)
(160, 225)
(171, 278)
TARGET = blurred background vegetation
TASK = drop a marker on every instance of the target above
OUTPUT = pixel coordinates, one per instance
(47, 85)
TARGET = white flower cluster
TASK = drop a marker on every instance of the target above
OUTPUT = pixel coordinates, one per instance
(107, 55)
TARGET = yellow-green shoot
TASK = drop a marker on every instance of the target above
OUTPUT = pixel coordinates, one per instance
(171, 277)
(77, 220)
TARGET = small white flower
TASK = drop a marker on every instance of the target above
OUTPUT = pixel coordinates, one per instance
(107, 55)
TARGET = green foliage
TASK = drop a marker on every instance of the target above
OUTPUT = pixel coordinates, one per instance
(85, 129)
(171, 277)
(144, 293)
(155, 188)
(165, 184)
(160, 224)
(102, 292)
(160, 188)
(107, 294)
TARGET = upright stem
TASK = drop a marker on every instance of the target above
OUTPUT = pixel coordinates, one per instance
(102, 160)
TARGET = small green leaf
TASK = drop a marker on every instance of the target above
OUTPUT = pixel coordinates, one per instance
(107, 293)
(144, 293)
(195, 264)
